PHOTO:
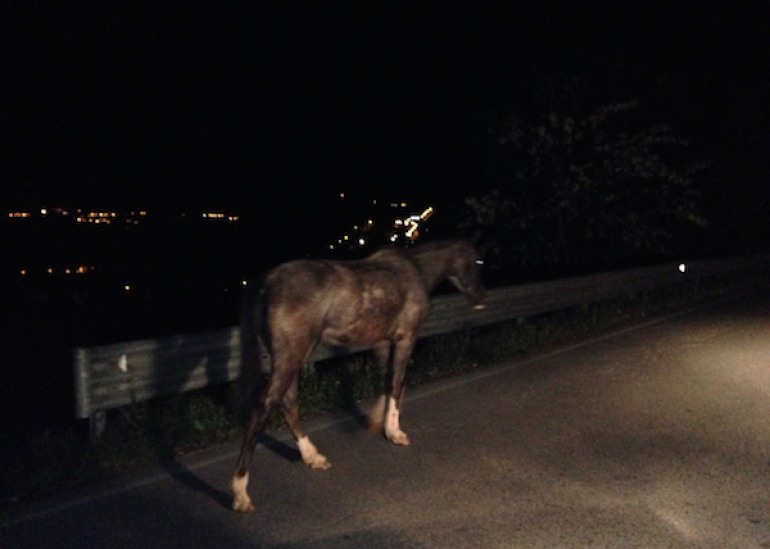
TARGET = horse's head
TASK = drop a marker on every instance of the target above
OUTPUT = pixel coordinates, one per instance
(464, 274)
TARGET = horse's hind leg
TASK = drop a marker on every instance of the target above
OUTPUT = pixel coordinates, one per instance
(257, 421)
(258, 418)
(290, 409)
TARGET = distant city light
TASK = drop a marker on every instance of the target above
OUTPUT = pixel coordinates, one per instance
(67, 271)
(127, 288)
(97, 217)
(220, 216)
(682, 268)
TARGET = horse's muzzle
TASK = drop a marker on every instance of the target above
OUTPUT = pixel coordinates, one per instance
(476, 300)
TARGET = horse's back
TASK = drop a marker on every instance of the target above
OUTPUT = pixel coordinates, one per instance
(347, 302)
(306, 279)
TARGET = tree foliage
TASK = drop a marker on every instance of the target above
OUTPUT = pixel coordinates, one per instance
(570, 192)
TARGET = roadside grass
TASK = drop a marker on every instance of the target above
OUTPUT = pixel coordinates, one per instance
(160, 430)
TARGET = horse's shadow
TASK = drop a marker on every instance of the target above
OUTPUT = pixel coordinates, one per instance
(182, 474)
(190, 479)
(358, 419)
(280, 448)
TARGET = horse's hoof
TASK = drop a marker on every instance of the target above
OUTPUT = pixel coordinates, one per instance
(399, 438)
(241, 499)
(243, 505)
(319, 462)
(310, 454)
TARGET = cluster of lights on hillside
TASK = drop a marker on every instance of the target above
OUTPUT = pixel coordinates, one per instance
(397, 227)
(100, 217)
(111, 217)
(411, 225)
(393, 222)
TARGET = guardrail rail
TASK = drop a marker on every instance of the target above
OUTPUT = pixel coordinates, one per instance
(112, 376)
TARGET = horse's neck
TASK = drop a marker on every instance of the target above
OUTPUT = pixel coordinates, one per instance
(433, 267)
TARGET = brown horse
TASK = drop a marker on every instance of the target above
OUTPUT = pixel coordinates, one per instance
(378, 301)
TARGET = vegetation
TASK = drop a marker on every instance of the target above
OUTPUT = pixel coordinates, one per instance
(578, 192)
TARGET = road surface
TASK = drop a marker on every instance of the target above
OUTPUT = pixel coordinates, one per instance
(656, 435)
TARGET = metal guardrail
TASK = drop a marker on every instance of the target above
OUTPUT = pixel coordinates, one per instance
(111, 376)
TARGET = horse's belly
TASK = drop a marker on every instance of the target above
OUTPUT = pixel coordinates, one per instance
(359, 333)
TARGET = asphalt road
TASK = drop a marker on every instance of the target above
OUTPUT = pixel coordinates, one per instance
(657, 435)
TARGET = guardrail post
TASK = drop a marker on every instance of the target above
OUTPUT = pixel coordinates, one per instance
(97, 424)
(466, 335)
(308, 368)
(82, 379)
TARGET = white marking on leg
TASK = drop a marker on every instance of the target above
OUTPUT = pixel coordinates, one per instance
(310, 454)
(393, 430)
(391, 420)
(241, 501)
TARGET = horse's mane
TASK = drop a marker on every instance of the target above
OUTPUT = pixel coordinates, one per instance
(435, 245)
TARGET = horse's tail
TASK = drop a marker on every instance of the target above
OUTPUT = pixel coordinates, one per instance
(254, 344)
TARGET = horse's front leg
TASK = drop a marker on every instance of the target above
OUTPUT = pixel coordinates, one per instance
(402, 350)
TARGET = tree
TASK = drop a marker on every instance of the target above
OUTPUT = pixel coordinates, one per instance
(575, 192)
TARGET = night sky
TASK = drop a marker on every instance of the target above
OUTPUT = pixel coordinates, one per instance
(115, 104)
